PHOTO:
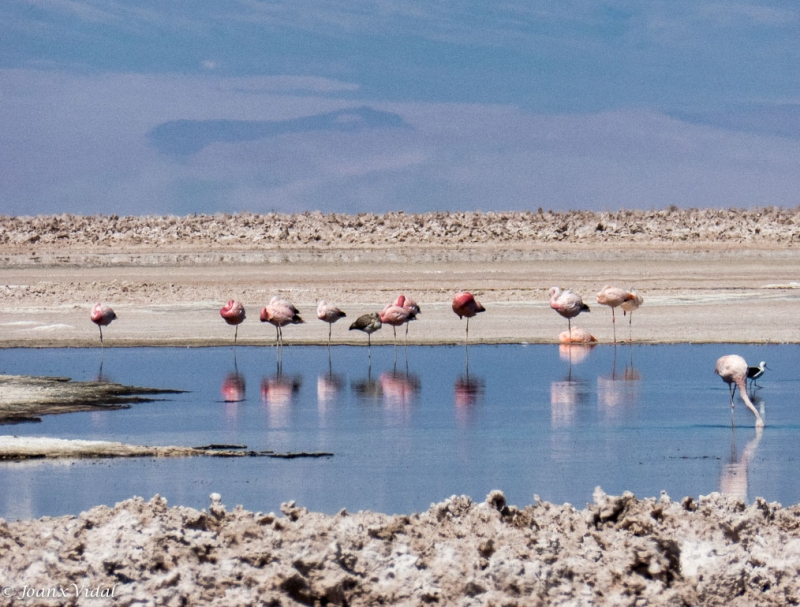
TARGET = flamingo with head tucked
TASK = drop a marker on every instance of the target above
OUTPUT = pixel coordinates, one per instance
(396, 315)
(614, 297)
(733, 371)
(466, 306)
(280, 312)
(233, 314)
(567, 304)
(368, 323)
(329, 314)
(410, 305)
(102, 315)
(630, 306)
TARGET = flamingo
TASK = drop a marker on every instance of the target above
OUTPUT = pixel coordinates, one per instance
(410, 305)
(753, 373)
(576, 336)
(614, 297)
(466, 306)
(630, 306)
(396, 315)
(567, 304)
(368, 323)
(233, 314)
(733, 371)
(280, 312)
(330, 314)
(102, 315)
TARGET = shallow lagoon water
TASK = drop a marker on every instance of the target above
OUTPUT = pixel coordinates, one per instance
(417, 426)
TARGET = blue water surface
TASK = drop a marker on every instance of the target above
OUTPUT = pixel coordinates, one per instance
(416, 426)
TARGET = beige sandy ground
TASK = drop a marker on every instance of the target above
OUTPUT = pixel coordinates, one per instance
(706, 276)
(712, 293)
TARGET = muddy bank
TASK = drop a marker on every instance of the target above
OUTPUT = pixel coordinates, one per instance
(26, 398)
(617, 551)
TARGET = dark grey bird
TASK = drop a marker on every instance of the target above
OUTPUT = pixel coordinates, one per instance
(368, 323)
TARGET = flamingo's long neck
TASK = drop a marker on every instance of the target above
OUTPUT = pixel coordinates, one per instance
(746, 399)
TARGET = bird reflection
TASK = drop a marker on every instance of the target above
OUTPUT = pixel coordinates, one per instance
(399, 389)
(102, 377)
(574, 353)
(368, 388)
(733, 481)
(233, 387)
(566, 394)
(620, 388)
(328, 386)
(468, 392)
(277, 394)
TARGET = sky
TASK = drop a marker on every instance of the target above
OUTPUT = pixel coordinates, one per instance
(153, 107)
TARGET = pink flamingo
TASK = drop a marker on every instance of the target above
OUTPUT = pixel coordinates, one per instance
(396, 315)
(630, 306)
(466, 306)
(614, 297)
(233, 314)
(410, 305)
(733, 371)
(102, 315)
(330, 314)
(567, 304)
(576, 336)
(280, 312)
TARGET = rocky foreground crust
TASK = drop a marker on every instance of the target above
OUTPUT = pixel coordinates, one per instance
(764, 226)
(617, 551)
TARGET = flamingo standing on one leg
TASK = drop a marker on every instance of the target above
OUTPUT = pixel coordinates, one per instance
(614, 297)
(567, 304)
(330, 314)
(396, 315)
(233, 314)
(280, 312)
(368, 323)
(733, 371)
(466, 306)
(630, 306)
(410, 305)
(102, 315)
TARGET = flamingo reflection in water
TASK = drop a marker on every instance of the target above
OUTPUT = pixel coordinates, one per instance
(277, 395)
(566, 394)
(233, 388)
(329, 386)
(468, 391)
(733, 480)
(399, 389)
(620, 389)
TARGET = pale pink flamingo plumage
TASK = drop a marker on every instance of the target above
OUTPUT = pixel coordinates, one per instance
(567, 304)
(614, 297)
(410, 305)
(329, 314)
(396, 315)
(733, 371)
(233, 314)
(102, 315)
(466, 306)
(280, 312)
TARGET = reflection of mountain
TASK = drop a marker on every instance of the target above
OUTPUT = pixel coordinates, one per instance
(233, 388)
(187, 137)
(733, 480)
(399, 389)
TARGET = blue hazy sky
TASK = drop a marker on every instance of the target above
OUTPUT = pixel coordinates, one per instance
(147, 106)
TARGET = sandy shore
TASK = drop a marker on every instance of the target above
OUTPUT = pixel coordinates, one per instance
(706, 276)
